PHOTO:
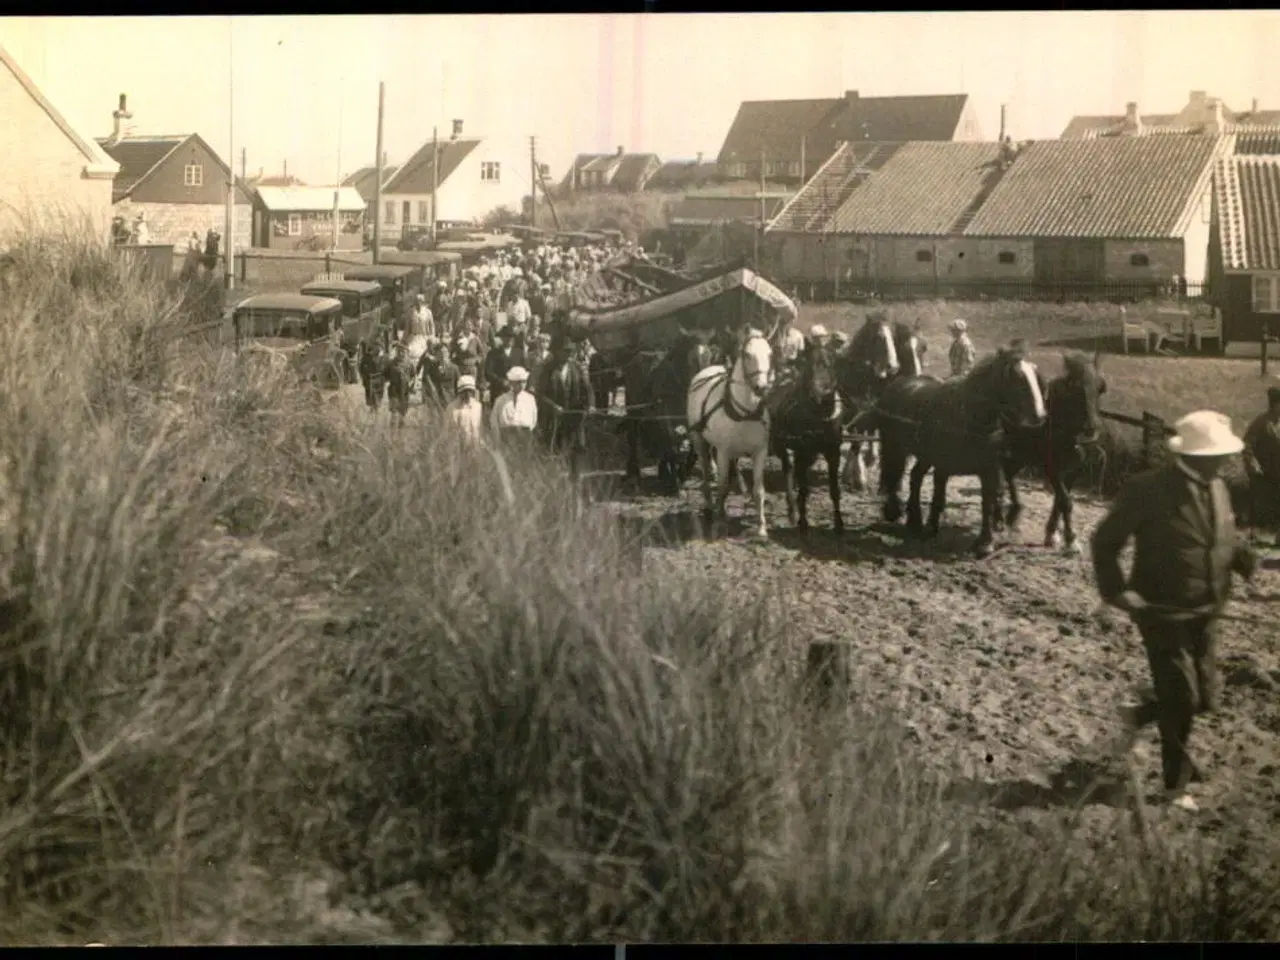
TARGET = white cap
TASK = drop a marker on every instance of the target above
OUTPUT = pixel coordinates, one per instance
(465, 382)
(817, 330)
(517, 375)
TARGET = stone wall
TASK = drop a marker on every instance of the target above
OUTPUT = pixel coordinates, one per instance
(174, 222)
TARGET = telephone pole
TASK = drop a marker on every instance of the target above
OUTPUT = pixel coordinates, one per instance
(533, 181)
(435, 180)
(228, 242)
(244, 159)
(377, 182)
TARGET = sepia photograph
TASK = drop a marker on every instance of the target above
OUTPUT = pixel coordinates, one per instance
(629, 478)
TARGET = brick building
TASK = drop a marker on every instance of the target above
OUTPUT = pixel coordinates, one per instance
(51, 169)
(177, 181)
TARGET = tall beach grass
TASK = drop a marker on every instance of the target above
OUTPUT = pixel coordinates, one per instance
(271, 671)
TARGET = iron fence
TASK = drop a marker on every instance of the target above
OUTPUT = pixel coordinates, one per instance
(1117, 291)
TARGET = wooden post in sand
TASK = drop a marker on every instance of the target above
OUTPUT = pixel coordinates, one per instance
(827, 674)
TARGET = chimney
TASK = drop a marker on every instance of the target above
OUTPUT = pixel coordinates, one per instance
(120, 113)
(286, 173)
(620, 151)
(1254, 112)
(1215, 117)
(1002, 118)
(457, 130)
(1132, 120)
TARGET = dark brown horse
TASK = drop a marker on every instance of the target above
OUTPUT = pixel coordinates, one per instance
(879, 353)
(956, 427)
(656, 385)
(563, 392)
(806, 421)
(1057, 449)
(606, 378)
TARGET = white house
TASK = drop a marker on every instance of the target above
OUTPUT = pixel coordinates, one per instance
(50, 167)
(475, 176)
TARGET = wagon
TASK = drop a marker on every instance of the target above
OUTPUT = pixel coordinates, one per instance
(293, 331)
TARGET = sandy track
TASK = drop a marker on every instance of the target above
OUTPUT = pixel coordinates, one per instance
(1001, 668)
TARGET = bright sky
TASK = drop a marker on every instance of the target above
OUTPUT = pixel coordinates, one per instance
(304, 89)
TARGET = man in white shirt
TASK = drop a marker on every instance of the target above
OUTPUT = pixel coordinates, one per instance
(424, 320)
(515, 415)
(465, 412)
(520, 311)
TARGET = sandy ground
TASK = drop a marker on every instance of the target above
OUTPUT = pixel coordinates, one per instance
(1004, 670)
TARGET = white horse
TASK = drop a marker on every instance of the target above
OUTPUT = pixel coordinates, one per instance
(726, 412)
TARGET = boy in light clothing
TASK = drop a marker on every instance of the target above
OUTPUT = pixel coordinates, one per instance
(465, 412)
(962, 354)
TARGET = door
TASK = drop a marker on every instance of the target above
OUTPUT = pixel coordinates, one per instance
(1069, 262)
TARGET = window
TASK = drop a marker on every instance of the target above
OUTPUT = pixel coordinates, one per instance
(389, 214)
(193, 175)
(424, 211)
(1007, 256)
(924, 256)
(295, 224)
(1139, 260)
(490, 172)
(1266, 293)
(738, 171)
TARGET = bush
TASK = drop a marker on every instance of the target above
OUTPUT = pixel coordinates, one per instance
(273, 673)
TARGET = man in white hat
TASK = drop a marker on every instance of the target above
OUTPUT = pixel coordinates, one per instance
(465, 412)
(818, 335)
(1185, 549)
(515, 415)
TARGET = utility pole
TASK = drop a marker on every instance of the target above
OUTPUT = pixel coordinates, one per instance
(337, 182)
(228, 246)
(533, 181)
(244, 159)
(755, 247)
(377, 182)
(435, 180)
(547, 197)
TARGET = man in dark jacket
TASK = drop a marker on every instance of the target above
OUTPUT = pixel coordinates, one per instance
(1262, 464)
(1185, 550)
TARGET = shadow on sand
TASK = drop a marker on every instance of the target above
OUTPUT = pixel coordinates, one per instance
(1077, 783)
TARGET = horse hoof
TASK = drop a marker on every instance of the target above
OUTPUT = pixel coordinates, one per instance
(803, 526)
(983, 550)
(1071, 549)
(1053, 541)
(892, 514)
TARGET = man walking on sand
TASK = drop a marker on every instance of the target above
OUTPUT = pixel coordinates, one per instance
(1185, 549)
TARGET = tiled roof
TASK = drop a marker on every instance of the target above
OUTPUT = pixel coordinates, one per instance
(923, 190)
(774, 128)
(711, 208)
(309, 199)
(1084, 127)
(1248, 198)
(889, 120)
(1258, 140)
(415, 175)
(675, 174)
(778, 126)
(630, 173)
(1128, 187)
(364, 178)
(825, 193)
(137, 157)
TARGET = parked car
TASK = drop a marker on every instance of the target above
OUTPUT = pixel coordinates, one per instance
(293, 331)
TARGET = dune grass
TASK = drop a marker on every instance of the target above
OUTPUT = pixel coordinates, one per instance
(273, 673)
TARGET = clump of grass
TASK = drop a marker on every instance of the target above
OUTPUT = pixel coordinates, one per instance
(272, 671)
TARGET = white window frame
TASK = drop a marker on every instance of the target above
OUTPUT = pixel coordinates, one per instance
(1268, 302)
(295, 224)
(193, 175)
(490, 171)
(389, 212)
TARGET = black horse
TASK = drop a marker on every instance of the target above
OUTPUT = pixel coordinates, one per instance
(657, 387)
(878, 353)
(806, 421)
(563, 392)
(956, 427)
(1058, 448)
(606, 378)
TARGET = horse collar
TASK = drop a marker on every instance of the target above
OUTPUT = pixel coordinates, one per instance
(733, 411)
